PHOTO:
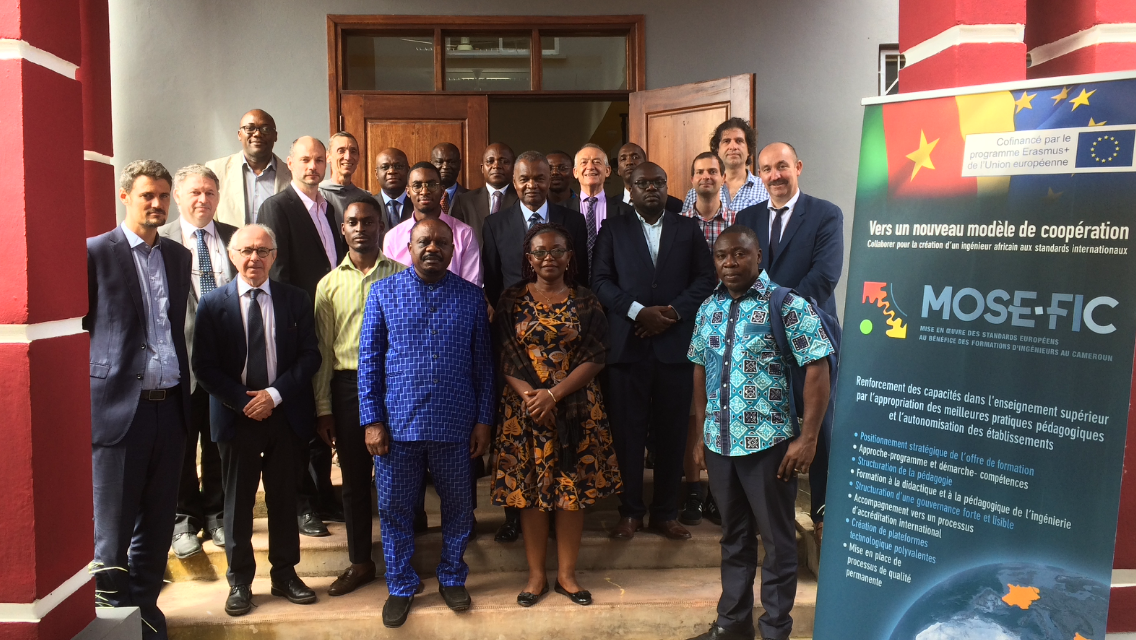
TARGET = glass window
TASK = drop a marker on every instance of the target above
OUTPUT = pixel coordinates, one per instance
(583, 63)
(488, 63)
(389, 63)
(891, 61)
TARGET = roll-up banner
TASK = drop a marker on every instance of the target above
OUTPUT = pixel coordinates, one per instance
(986, 368)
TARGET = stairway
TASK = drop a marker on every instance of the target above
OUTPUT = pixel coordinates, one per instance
(648, 587)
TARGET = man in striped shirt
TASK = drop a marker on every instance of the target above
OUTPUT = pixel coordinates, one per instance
(735, 142)
(340, 297)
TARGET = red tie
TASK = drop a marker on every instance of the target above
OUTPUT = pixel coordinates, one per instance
(446, 202)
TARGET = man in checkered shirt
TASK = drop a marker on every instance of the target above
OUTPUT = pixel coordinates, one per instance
(751, 448)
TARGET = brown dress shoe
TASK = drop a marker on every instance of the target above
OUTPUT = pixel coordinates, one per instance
(350, 580)
(671, 529)
(626, 528)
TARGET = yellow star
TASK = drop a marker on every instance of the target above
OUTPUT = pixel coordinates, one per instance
(922, 156)
(1052, 196)
(1093, 123)
(1024, 101)
(1082, 99)
(1061, 96)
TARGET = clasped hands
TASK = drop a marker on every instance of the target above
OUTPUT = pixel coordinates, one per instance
(541, 405)
(261, 405)
(651, 321)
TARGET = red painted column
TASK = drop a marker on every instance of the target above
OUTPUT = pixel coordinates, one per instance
(955, 43)
(1068, 37)
(45, 461)
(98, 141)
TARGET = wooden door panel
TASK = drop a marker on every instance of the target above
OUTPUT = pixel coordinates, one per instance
(674, 124)
(415, 123)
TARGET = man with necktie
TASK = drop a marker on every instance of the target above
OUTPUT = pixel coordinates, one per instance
(307, 248)
(201, 501)
(591, 169)
(255, 352)
(392, 170)
(474, 207)
(137, 288)
(448, 159)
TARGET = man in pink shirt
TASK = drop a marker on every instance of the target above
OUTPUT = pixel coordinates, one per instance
(424, 186)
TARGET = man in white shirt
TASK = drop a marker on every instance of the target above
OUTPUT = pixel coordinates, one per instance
(201, 501)
(474, 206)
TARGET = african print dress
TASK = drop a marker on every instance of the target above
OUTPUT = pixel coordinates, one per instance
(536, 466)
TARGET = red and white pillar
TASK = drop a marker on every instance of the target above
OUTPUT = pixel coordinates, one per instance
(98, 141)
(45, 455)
(1069, 37)
(955, 43)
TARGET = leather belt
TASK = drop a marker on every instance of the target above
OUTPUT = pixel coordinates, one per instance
(160, 395)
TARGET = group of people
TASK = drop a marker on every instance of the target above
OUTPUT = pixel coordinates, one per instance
(415, 330)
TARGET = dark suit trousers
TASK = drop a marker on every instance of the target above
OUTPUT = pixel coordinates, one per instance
(201, 503)
(314, 492)
(356, 464)
(753, 501)
(135, 489)
(267, 448)
(655, 395)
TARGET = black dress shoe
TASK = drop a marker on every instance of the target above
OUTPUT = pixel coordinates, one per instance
(526, 599)
(718, 633)
(456, 597)
(350, 580)
(240, 600)
(710, 510)
(311, 525)
(334, 515)
(295, 590)
(398, 607)
(218, 536)
(581, 597)
(691, 514)
(509, 532)
(185, 545)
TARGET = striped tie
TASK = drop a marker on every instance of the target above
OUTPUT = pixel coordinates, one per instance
(590, 219)
(204, 265)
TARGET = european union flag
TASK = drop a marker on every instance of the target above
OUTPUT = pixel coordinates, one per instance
(1099, 149)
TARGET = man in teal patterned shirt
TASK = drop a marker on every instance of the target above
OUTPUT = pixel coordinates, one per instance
(752, 450)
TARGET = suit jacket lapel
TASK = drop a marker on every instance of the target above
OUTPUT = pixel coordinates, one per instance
(236, 322)
(126, 261)
(795, 222)
(280, 316)
(762, 232)
(639, 242)
(307, 229)
(666, 238)
(171, 268)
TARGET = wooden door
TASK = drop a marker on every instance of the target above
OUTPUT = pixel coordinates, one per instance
(674, 124)
(415, 123)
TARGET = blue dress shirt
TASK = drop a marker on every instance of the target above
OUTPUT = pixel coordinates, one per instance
(161, 363)
(425, 359)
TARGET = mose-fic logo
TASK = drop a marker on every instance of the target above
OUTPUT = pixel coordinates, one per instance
(968, 304)
(877, 292)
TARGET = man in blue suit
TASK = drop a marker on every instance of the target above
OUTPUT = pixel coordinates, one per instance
(137, 287)
(255, 352)
(802, 247)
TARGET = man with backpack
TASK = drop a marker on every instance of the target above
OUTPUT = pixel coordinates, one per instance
(762, 361)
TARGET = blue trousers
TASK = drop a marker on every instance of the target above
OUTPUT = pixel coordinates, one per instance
(136, 489)
(399, 479)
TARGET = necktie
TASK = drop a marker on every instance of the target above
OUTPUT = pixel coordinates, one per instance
(256, 369)
(775, 232)
(206, 281)
(496, 206)
(446, 202)
(534, 219)
(591, 220)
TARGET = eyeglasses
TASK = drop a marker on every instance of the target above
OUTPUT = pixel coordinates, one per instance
(265, 129)
(643, 185)
(260, 252)
(541, 254)
(424, 187)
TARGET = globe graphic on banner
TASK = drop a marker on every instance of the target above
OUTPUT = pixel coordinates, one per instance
(1012, 601)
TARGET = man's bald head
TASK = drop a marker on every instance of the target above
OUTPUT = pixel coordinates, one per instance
(257, 133)
(497, 165)
(447, 157)
(392, 169)
(307, 160)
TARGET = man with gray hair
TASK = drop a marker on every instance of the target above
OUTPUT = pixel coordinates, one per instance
(201, 501)
(261, 408)
(137, 288)
(257, 171)
(343, 159)
(591, 169)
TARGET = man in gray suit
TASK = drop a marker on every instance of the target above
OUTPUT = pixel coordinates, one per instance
(201, 502)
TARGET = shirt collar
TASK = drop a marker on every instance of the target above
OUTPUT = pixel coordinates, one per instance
(791, 204)
(720, 213)
(387, 199)
(134, 239)
(308, 202)
(627, 196)
(347, 265)
(493, 189)
(658, 223)
(750, 178)
(527, 212)
(271, 166)
(244, 287)
(759, 286)
(452, 191)
(421, 282)
(187, 228)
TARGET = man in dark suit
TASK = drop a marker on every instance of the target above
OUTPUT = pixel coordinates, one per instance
(591, 169)
(201, 501)
(630, 156)
(448, 159)
(473, 207)
(137, 289)
(255, 352)
(806, 254)
(652, 271)
(392, 170)
(307, 248)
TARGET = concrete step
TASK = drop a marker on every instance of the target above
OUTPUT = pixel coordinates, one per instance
(629, 604)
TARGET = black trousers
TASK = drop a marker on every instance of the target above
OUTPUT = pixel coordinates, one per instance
(752, 500)
(201, 502)
(267, 448)
(355, 462)
(135, 492)
(314, 491)
(655, 395)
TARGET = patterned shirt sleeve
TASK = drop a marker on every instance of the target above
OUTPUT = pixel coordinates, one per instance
(483, 376)
(372, 362)
(803, 328)
(697, 351)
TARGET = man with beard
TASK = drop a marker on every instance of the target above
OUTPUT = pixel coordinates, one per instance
(426, 393)
(339, 319)
(447, 158)
(251, 175)
(307, 249)
(342, 158)
(137, 290)
(474, 207)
